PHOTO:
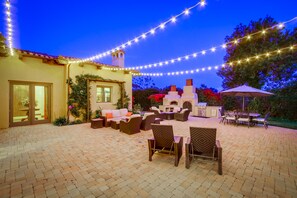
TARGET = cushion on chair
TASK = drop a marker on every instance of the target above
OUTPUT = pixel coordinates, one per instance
(176, 109)
(183, 111)
(116, 113)
(123, 112)
(146, 114)
(109, 115)
(129, 114)
(259, 119)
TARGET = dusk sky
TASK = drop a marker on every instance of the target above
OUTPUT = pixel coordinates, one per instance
(85, 28)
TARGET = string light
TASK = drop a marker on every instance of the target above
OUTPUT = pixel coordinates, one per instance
(143, 35)
(216, 67)
(203, 52)
(9, 27)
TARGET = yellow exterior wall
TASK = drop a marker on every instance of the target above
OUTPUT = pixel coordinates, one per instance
(31, 70)
(34, 70)
(75, 69)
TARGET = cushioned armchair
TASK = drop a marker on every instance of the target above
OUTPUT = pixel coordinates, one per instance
(131, 126)
(182, 116)
(202, 143)
(160, 114)
(147, 121)
(264, 120)
(165, 142)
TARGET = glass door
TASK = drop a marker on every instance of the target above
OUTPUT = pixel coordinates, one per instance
(19, 104)
(40, 104)
(29, 103)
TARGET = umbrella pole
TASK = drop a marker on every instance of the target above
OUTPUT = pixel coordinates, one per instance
(243, 104)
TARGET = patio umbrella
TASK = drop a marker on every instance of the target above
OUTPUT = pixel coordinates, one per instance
(245, 91)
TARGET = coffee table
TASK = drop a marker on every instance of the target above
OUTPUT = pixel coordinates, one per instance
(96, 123)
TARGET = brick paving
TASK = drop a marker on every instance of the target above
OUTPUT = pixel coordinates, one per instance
(77, 161)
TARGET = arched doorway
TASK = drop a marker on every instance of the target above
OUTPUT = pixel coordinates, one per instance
(187, 105)
(173, 103)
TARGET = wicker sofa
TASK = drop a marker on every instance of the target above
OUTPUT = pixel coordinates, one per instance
(117, 114)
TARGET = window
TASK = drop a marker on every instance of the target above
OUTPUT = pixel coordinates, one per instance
(103, 94)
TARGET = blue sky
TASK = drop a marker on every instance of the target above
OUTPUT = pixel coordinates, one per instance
(84, 28)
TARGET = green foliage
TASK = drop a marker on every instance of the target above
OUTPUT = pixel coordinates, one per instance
(61, 121)
(78, 121)
(273, 72)
(277, 74)
(123, 103)
(284, 102)
(3, 47)
(282, 123)
(98, 112)
(208, 95)
(78, 97)
(137, 108)
(141, 97)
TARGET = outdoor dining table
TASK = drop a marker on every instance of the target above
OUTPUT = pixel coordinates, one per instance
(251, 115)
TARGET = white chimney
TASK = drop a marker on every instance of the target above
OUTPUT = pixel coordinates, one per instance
(118, 58)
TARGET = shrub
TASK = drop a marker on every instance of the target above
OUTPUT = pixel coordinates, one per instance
(61, 121)
(75, 122)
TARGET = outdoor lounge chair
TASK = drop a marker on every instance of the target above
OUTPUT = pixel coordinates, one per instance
(165, 142)
(262, 120)
(231, 117)
(202, 143)
(243, 118)
(147, 121)
(222, 116)
(132, 126)
(182, 116)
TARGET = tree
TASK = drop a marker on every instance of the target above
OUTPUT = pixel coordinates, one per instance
(278, 73)
(274, 72)
(209, 95)
(141, 97)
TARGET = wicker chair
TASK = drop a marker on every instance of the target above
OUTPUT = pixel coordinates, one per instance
(160, 115)
(182, 116)
(132, 126)
(146, 123)
(165, 142)
(264, 120)
(202, 143)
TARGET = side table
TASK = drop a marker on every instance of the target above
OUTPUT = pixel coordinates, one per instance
(96, 123)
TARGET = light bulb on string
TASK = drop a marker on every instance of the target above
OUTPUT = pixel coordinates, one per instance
(238, 62)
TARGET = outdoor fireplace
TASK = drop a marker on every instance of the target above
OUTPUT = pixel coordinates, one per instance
(188, 99)
(187, 105)
(173, 103)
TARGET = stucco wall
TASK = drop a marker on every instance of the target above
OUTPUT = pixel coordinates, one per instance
(34, 70)
(75, 69)
(31, 70)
